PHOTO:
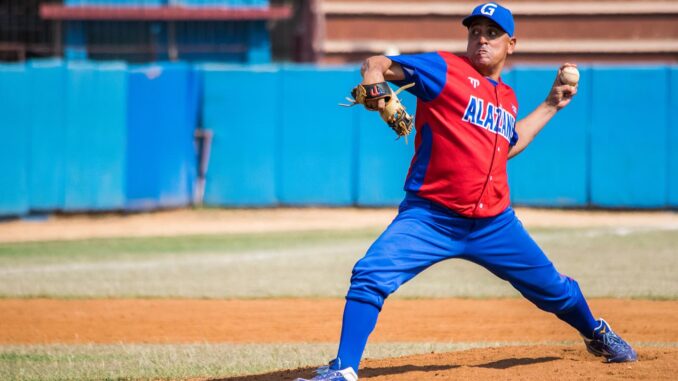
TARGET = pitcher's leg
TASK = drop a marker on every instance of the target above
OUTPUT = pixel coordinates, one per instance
(579, 316)
(417, 239)
(358, 323)
(505, 248)
(414, 241)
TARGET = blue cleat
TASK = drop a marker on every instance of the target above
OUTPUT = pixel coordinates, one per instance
(606, 343)
(326, 373)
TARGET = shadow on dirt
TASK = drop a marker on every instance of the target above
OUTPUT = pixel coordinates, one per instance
(509, 363)
(288, 375)
(282, 375)
(392, 370)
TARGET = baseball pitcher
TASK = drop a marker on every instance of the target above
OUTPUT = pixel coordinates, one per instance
(457, 202)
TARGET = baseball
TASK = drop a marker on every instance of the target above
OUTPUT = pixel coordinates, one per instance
(569, 75)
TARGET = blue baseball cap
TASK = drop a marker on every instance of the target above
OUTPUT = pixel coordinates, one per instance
(495, 12)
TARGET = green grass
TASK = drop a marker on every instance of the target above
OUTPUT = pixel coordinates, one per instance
(153, 362)
(114, 362)
(606, 262)
(138, 247)
(95, 362)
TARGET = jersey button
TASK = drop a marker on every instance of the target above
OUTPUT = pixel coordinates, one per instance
(480, 205)
(490, 178)
(498, 149)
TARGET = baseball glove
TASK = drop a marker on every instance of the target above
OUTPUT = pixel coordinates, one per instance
(394, 113)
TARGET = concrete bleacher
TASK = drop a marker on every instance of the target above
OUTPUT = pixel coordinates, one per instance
(547, 31)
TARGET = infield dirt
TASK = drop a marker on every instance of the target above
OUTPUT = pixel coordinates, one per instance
(649, 324)
(542, 363)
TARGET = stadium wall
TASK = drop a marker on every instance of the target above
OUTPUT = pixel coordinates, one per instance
(109, 136)
(86, 136)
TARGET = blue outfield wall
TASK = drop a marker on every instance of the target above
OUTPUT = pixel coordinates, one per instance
(554, 170)
(317, 141)
(162, 106)
(47, 123)
(83, 136)
(14, 139)
(672, 139)
(94, 173)
(591, 153)
(629, 147)
(270, 148)
(242, 108)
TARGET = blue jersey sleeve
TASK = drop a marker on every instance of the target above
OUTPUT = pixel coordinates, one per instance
(428, 71)
(514, 138)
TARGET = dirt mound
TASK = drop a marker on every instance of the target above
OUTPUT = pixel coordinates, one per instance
(541, 363)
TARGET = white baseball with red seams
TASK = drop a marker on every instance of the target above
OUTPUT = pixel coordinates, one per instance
(569, 75)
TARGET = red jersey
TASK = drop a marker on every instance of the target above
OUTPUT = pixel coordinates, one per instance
(465, 125)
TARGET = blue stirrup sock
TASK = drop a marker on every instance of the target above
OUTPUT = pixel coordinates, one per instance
(580, 317)
(359, 322)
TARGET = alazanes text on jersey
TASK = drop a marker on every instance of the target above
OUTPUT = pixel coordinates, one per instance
(492, 118)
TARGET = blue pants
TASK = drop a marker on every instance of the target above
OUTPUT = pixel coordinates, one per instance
(425, 233)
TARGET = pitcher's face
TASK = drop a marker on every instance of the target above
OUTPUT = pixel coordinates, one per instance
(488, 45)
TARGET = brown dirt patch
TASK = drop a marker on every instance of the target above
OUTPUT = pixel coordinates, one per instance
(42, 321)
(230, 221)
(544, 363)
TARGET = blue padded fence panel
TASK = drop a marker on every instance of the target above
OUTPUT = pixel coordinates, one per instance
(47, 128)
(383, 161)
(245, 121)
(628, 132)
(14, 138)
(95, 136)
(317, 140)
(553, 170)
(673, 139)
(161, 119)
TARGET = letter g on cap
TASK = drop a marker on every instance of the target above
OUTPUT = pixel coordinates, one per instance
(488, 9)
